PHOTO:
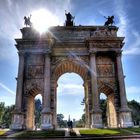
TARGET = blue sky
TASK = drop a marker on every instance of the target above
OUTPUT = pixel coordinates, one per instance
(86, 12)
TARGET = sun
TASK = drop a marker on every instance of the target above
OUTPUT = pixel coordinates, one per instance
(42, 19)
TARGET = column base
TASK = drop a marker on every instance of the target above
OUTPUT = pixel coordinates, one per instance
(17, 122)
(125, 119)
(97, 120)
(46, 119)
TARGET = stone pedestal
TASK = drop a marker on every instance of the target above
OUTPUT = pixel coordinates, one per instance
(125, 119)
(97, 120)
(46, 119)
(17, 122)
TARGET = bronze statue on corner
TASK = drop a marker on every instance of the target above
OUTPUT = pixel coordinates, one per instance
(110, 20)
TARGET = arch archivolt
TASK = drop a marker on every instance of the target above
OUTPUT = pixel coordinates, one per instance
(105, 88)
(65, 65)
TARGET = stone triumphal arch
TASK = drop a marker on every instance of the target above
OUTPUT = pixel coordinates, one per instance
(93, 52)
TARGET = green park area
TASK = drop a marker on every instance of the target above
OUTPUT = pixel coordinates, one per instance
(41, 134)
(103, 132)
(87, 132)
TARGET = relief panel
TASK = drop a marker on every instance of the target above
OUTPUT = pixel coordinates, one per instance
(34, 71)
(105, 70)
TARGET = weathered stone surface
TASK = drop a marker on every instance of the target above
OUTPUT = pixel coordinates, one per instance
(93, 52)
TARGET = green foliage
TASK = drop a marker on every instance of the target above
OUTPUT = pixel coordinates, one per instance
(137, 130)
(135, 107)
(41, 134)
(103, 106)
(102, 132)
(81, 122)
(2, 108)
(7, 116)
(61, 123)
(38, 108)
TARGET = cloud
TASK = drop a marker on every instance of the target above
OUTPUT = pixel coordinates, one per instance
(7, 89)
(134, 48)
(133, 90)
(71, 89)
(120, 12)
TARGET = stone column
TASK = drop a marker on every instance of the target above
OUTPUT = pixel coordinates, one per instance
(46, 112)
(54, 103)
(125, 112)
(20, 82)
(87, 121)
(18, 118)
(97, 115)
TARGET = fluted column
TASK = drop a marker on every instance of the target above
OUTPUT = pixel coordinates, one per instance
(46, 112)
(19, 90)
(94, 88)
(121, 83)
(46, 95)
(54, 103)
(87, 125)
(18, 116)
(125, 119)
(96, 116)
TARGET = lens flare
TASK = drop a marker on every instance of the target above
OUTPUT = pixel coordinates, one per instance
(42, 19)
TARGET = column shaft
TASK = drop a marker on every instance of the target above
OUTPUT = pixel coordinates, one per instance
(121, 83)
(20, 81)
(94, 89)
(46, 96)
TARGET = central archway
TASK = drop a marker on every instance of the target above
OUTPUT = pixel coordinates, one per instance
(70, 94)
(71, 66)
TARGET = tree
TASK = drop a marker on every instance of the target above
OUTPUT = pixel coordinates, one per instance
(135, 107)
(103, 106)
(81, 122)
(7, 116)
(2, 107)
(38, 108)
(61, 123)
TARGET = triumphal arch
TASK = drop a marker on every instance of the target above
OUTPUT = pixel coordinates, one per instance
(93, 52)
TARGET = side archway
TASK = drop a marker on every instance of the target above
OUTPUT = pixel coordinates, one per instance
(30, 107)
(111, 113)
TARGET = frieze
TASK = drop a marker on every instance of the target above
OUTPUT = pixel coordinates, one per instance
(35, 71)
(103, 33)
(72, 57)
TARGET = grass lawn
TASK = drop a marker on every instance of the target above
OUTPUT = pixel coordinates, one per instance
(41, 134)
(137, 130)
(2, 132)
(103, 132)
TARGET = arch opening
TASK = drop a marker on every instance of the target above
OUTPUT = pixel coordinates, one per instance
(70, 95)
(107, 105)
(33, 114)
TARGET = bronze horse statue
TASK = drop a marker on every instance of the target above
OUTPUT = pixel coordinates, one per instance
(110, 21)
(27, 21)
